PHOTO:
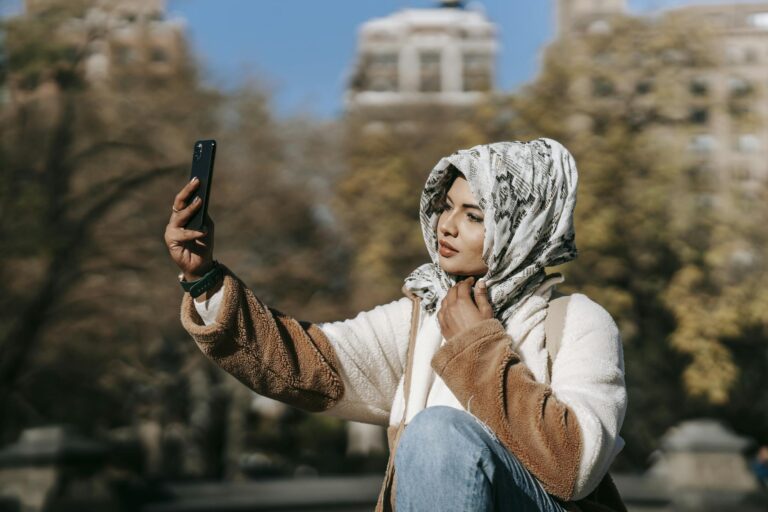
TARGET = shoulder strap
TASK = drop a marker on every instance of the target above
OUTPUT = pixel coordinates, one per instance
(385, 502)
(553, 327)
(415, 317)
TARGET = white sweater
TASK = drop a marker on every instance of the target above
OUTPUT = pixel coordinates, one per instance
(587, 374)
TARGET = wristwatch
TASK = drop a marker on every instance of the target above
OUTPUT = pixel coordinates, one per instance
(205, 283)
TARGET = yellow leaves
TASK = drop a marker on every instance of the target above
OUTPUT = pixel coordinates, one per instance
(712, 373)
(646, 226)
(707, 316)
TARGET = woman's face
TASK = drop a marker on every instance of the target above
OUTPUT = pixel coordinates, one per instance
(460, 232)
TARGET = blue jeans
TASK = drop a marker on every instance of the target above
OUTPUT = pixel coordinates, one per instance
(448, 460)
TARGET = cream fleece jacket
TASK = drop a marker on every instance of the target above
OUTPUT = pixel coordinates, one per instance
(587, 374)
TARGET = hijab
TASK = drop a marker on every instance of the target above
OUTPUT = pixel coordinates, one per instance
(527, 191)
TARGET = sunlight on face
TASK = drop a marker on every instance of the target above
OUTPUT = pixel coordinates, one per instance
(460, 232)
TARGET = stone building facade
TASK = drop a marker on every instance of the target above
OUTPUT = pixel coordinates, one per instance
(123, 33)
(728, 101)
(443, 55)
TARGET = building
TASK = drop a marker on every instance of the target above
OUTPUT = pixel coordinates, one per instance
(443, 55)
(728, 101)
(575, 17)
(733, 134)
(123, 33)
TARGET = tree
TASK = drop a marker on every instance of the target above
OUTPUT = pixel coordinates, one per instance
(74, 179)
(89, 329)
(661, 245)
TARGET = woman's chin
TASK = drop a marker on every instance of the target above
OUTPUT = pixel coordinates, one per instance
(457, 268)
(454, 268)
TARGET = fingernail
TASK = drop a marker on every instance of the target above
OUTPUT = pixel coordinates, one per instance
(197, 199)
(194, 179)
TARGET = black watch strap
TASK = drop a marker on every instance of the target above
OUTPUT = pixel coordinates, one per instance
(205, 283)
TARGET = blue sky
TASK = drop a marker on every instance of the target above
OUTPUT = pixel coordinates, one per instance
(303, 49)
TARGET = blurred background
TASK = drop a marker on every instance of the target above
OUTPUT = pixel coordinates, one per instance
(329, 116)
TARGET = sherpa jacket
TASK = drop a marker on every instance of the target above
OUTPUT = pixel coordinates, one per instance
(565, 431)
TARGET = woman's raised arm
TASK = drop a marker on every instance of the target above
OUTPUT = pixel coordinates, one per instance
(349, 369)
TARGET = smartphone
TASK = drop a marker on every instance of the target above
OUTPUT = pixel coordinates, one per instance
(203, 155)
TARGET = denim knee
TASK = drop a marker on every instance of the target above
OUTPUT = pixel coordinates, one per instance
(440, 433)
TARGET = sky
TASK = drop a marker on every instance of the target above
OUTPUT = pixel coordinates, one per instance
(303, 50)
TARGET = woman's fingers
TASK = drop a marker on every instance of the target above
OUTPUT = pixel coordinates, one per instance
(186, 235)
(180, 218)
(181, 199)
(178, 236)
(481, 299)
(464, 287)
(180, 202)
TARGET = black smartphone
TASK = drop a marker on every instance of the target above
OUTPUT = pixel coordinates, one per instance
(203, 156)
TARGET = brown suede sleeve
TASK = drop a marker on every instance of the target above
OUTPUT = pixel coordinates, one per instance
(268, 351)
(479, 365)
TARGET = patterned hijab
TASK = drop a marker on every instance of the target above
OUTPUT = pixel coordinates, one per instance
(527, 191)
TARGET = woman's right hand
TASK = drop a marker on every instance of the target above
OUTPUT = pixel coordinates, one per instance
(191, 251)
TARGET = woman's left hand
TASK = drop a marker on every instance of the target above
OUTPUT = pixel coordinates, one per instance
(459, 312)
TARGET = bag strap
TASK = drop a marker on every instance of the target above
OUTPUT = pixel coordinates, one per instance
(385, 502)
(554, 325)
(415, 318)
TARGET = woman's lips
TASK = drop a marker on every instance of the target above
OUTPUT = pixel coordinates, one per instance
(447, 249)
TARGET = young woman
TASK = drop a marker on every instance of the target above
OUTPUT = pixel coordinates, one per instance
(480, 415)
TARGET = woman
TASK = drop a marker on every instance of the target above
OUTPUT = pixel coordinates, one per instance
(485, 419)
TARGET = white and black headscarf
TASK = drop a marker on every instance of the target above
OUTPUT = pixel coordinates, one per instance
(527, 191)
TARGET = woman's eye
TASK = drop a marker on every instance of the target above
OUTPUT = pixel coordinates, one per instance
(474, 218)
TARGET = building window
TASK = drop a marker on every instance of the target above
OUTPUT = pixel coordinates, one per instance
(738, 87)
(599, 27)
(602, 87)
(702, 143)
(741, 173)
(759, 20)
(429, 65)
(706, 201)
(380, 72)
(747, 143)
(674, 56)
(124, 54)
(698, 115)
(644, 86)
(733, 55)
(738, 109)
(477, 72)
(700, 173)
(158, 54)
(698, 87)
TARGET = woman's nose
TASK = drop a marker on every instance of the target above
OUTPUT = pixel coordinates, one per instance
(447, 225)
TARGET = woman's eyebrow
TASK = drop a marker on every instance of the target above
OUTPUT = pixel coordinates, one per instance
(465, 205)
